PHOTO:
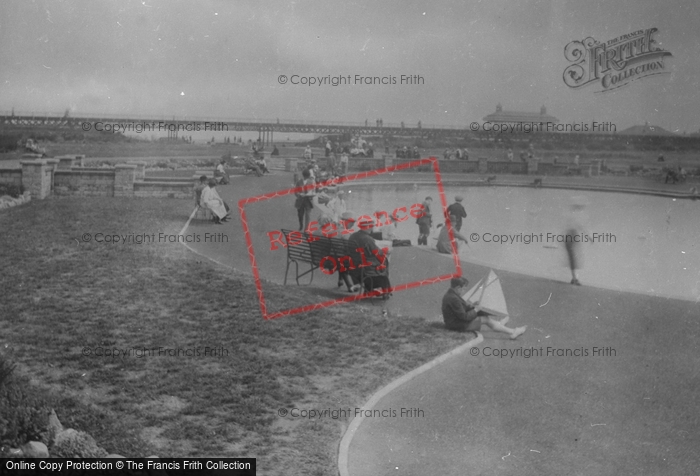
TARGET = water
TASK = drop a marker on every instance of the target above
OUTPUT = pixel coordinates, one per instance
(645, 244)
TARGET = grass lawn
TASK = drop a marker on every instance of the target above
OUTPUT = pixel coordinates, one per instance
(62, 294)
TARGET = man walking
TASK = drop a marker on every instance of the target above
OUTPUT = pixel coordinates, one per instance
(458, 211)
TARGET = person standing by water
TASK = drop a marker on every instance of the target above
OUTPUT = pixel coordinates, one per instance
(458, 211)
(343, 163)
(304, 201)
(575, 235)
(424, 222)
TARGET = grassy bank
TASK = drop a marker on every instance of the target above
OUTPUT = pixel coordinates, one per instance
(63, 295)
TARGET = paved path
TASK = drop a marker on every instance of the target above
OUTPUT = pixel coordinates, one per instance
(630, 409)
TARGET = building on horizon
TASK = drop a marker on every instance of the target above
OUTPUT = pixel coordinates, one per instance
(509, 117)
(647, 130)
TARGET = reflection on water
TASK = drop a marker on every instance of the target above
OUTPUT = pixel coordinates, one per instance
(644, 243)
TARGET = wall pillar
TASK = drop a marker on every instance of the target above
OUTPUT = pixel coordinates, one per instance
(37, 177)
(483, 165)
(124, 176)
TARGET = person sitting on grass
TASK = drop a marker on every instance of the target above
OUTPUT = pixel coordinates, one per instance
(260, 162)
(460, 316)
(250, 165)
(221, 172)
(210, 198)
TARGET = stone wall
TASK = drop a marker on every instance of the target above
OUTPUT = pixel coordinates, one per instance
(163, 189)
(507, 167)
(84, 182)
(11, 176)
(457, 166)
(45, 177)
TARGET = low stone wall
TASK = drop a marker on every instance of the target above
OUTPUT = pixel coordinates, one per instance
(547, 168)
(363, 164)
(458, 166)
(163, 189)
(67, 161)
(49, 176)
(84, 182)
(11, 176)
(506, 167)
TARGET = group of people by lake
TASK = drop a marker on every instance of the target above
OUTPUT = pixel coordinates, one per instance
(328, 200)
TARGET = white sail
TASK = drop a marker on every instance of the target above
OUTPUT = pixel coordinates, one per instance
(488, 295)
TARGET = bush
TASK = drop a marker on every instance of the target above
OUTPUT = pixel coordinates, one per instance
(11, 189)
(23, 417)
(8, 142)
(6, 370)
(77, 444)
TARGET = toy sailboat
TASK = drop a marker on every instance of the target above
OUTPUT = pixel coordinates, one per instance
(488, 295)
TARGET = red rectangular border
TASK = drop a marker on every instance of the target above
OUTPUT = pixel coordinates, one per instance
(311, 307)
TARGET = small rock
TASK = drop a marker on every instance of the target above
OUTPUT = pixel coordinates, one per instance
(13, 453)
(152, 457)
(35, 449)
(55, 427)
(115, 456)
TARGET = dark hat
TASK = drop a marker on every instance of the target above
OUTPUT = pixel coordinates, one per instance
(347, 216)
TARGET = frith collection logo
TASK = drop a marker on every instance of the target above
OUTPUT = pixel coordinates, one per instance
(614, 63)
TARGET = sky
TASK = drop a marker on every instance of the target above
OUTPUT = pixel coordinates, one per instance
(214, 59)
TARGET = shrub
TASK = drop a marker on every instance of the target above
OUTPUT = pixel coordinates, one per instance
(11, 189)
(8, 142)
(6, 369)
(77, 444)
(23, 417)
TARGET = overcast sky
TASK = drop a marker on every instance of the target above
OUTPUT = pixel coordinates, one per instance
(222, 59)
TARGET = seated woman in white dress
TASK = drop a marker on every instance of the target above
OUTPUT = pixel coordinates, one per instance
(211, 199)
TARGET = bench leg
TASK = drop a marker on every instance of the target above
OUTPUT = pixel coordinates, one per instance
(285, 273)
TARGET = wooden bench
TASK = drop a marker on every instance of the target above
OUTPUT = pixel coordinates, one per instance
(208, 174)
(618, 170)
(300, 250)
(312, 253)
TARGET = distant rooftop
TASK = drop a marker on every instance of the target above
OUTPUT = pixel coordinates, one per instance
(519, 116)
(647, 130)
